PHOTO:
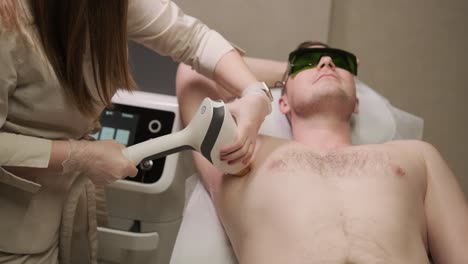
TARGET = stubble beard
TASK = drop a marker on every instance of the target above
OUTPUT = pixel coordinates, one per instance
(331, 102)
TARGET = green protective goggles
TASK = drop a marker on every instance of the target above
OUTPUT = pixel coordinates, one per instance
(306, 58)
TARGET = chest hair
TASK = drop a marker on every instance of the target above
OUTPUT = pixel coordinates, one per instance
(336, 163)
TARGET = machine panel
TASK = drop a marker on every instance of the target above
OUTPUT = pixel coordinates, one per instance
(130, 125)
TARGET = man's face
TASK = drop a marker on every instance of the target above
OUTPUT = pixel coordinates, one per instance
(323, 88)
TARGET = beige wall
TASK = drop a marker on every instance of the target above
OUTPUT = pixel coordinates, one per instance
(412, 52)
(416, 54)
(264, 28)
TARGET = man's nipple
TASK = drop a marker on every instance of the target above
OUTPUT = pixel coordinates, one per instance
(398, 171)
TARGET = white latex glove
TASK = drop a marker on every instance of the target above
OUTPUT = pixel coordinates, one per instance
(101, 161)
(249, 112)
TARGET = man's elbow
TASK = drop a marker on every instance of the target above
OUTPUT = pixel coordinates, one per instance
(189, 83)
(191, 89)
(184, 76)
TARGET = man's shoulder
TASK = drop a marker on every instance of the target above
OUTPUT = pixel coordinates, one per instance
(409, 145)
(397, 149)
(411, 149)
(270, 139)
(269, 143)
(266, 145)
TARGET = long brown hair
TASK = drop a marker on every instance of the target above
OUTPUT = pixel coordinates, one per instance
(66, 28)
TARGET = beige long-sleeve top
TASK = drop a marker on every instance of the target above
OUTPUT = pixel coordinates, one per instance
(34, 111)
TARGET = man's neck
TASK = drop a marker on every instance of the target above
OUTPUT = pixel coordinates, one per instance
(322, 133)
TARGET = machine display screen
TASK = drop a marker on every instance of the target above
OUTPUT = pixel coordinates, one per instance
(120, 126)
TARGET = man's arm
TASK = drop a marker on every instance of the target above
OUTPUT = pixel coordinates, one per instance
(190, 83)
(267, 71)
(446, 211)
(192, 88)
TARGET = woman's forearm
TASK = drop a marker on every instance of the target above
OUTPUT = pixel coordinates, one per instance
(230, 69)
(232, 73)
(59, 153)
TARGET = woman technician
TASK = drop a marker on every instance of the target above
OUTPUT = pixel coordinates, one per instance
(60, 64)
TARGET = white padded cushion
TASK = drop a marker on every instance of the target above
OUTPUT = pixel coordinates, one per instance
(201, 238)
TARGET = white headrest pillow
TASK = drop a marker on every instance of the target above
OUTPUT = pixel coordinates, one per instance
(201, 237)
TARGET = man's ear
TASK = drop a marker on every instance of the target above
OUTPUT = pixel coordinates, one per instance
(284, 105)
(356, 106)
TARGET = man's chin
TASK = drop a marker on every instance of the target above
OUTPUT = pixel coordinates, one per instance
(325, 102)
(328, 91)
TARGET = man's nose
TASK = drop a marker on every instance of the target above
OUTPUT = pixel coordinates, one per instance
(326, 61)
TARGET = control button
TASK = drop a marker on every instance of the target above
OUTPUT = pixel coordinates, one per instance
(154, 126)
(146, 165)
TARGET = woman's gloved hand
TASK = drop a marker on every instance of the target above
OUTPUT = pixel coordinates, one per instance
(249, 112)
(101, 161)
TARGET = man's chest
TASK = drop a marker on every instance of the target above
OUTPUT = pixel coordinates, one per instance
(356, 163)
(352, 178)
(352, 201)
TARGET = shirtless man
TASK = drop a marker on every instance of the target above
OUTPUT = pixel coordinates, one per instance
(318, 198)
